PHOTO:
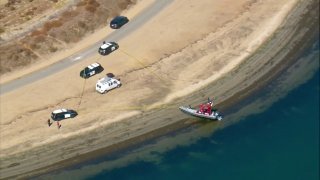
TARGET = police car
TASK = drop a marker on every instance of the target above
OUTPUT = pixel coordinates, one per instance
(91, 70)
(107, 48)
(106, 84)
(60, 114)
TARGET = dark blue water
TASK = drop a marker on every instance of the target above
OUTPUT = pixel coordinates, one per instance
(280, 143)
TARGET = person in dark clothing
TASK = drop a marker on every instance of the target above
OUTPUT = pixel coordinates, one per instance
(49, 122)
(58, 124)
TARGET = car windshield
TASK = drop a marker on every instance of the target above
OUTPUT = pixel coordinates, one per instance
(53, 115)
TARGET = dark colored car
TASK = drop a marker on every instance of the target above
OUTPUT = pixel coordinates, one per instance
(107, 48)
(118, 21)
(110, 75)
(91, 70)
(60, 114)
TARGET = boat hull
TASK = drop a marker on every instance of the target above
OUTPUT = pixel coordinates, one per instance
(194, 112)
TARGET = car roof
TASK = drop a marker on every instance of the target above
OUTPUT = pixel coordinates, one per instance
(106, 45)
(118, 18)
(105, 80)
(94, 65)
(59, 111)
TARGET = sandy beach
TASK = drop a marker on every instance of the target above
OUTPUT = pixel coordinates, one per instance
(172, 56)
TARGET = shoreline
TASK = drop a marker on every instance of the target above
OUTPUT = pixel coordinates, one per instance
(148, 114)
(184, 133)
(227, 104)
(186, 125)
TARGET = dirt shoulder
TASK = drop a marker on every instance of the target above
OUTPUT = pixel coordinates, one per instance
(154, 78)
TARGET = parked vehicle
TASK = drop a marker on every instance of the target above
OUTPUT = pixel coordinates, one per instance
(118, 21)
(107, 48)
(110, 75)
(91, 70)
(106, 84)
(60, 114)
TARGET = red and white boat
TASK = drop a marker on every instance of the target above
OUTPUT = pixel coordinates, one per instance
(205, 111)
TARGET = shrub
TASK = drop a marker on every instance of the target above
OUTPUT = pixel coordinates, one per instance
(90, 8)
(53, 49)
(50, 25)
(2, 30)
(81, 3)
(93, 3)
(69, 14)
(37, 33)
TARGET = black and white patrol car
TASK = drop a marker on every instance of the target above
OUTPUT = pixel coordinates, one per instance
(91, 70)
(118, 21)
(60, 114)
(107, 48)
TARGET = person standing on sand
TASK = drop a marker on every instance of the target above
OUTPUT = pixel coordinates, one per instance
(58, 124)
(49, 122)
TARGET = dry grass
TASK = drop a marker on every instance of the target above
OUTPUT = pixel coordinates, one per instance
(91, 5)
(12, 2)
(68, 27)
(18, 57)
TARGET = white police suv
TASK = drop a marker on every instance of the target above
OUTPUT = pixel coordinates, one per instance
(106, 84)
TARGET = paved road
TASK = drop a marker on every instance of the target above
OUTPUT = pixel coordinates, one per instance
(133, 25)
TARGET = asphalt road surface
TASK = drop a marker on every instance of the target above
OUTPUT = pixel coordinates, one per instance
(133, 25)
